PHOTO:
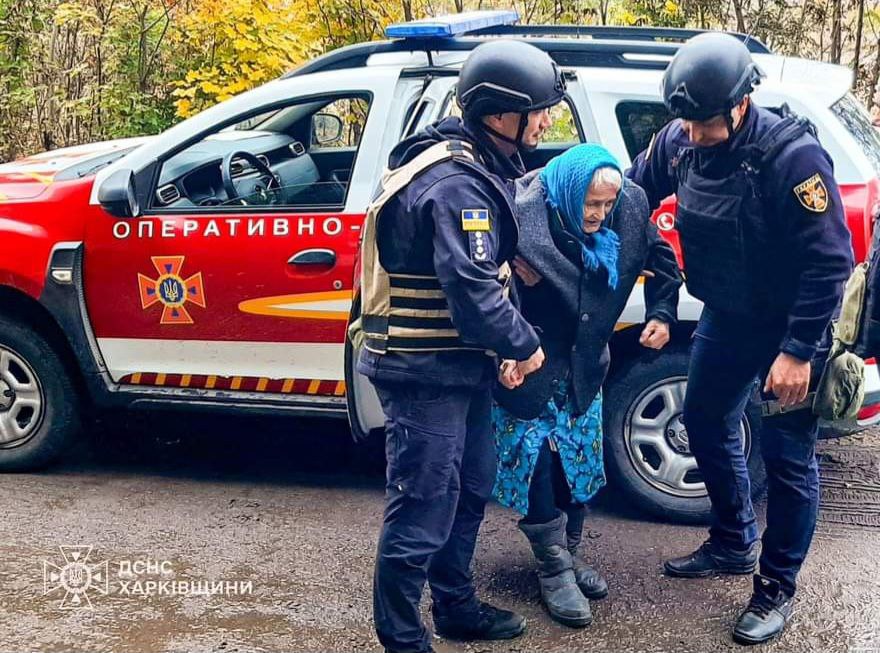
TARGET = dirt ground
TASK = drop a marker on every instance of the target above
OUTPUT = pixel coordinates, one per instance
(279, 521)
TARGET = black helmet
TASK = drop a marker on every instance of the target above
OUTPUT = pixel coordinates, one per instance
(708, 76)
(504, 76)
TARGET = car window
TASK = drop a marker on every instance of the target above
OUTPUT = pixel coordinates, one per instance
(563, 129)
(639, 121)
(852, 114)
(298, 157)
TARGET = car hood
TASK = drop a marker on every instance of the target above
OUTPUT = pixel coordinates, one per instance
(29, 177)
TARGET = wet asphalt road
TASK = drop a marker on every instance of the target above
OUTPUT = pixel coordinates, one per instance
(283, 518)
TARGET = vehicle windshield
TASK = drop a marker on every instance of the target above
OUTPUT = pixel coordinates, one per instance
(855, 118)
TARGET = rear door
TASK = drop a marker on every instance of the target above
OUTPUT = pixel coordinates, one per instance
(246, 294)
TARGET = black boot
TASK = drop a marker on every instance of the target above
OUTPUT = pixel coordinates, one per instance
(591, 583)
(485, 623)
(765, 617)
(711, 559)
(559, 588)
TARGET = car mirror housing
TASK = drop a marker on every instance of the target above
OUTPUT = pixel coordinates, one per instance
(117, 195)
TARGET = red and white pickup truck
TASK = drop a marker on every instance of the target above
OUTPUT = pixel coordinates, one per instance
(213, 265)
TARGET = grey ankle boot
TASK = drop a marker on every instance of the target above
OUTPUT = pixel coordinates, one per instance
(559, 589)
(590, 581)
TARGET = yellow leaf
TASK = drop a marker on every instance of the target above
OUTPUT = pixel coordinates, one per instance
(184, 108)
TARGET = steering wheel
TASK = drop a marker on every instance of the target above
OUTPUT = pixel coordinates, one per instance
(255, 163)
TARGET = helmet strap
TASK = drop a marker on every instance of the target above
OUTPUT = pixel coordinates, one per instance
(728, 118)
(498, 134)
(523, 123)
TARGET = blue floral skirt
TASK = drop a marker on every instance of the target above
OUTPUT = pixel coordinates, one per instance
(578, 439)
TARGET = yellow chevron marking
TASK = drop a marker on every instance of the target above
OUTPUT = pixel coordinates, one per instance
(236, 383)
(136, 378)
(288, 385)
(43, 179)
(184, 380)
(160, 379)
(211, 382)
(313, 386)
(261, 384)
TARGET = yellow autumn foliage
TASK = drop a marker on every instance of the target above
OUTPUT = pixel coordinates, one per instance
(236, 45)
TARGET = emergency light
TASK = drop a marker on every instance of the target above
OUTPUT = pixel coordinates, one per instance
(451, 25)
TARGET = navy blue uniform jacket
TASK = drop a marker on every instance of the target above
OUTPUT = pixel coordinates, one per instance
(818, 245)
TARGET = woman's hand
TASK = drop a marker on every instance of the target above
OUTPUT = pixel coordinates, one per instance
(509, 375)
(655, 335)
(526, 272)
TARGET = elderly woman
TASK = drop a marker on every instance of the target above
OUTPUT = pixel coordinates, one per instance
(585, 239)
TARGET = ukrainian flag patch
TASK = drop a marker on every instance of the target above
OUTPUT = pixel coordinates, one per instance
(475, 219)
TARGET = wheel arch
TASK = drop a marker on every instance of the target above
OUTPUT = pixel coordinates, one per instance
(26, 310)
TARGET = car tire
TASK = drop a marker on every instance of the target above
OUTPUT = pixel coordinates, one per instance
(646, 445)
(39, 405)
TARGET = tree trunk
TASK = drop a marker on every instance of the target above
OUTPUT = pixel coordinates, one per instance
(740, 18)
(835, 31)
(858, 53)
(407, 10)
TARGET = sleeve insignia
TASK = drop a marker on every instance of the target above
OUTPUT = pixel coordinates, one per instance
(478, 244)
(475, 220)
(812, 194)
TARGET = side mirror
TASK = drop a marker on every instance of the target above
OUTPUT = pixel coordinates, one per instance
(117, 195)
(326, 129)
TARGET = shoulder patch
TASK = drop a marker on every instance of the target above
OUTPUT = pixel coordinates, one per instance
(812, 194)
(475, 219)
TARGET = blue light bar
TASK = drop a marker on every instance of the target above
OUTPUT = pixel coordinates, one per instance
(451, 25)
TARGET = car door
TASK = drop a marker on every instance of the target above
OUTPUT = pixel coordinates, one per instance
(251, 293)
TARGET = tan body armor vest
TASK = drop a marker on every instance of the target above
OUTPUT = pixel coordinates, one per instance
(408, 312)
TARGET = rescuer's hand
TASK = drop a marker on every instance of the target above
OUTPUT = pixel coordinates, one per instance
(789, 379)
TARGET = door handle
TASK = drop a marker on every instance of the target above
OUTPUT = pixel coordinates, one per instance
(313, 257)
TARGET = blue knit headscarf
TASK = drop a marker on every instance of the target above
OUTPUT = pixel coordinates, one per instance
(566, 180)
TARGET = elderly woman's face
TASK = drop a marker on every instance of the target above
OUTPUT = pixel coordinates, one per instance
(597, 205)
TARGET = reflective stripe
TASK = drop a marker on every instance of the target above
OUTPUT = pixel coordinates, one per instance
(420, 321)
(411, 332)
(414, 312)
(412, 292)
